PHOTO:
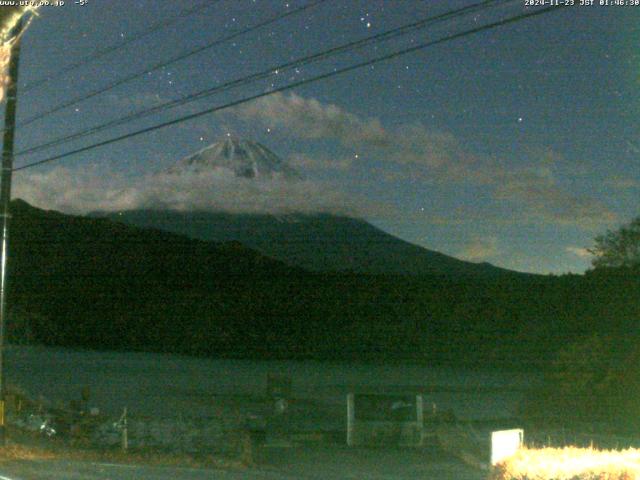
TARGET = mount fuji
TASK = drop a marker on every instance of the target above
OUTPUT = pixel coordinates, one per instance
(246, 159)
(321, 242)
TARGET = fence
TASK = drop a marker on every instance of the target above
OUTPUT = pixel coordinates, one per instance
(212, 435)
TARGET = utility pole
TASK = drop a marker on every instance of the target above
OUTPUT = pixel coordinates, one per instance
(5, 198)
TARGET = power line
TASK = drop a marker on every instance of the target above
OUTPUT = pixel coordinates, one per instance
(293, 85)
(383, 36)
(117, 46)
(158, 66)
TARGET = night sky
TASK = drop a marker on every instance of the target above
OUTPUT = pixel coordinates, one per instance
(514, 146)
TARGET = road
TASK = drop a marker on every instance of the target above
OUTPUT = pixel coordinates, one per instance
(75, 470)
(318, 463)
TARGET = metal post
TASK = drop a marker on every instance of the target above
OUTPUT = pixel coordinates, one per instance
(351, 419)
(5, 198)
(125, 431)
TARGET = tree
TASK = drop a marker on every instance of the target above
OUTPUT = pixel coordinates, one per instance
(593, 379)
(618, 249)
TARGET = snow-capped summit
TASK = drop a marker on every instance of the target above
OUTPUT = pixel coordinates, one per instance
(245, 158)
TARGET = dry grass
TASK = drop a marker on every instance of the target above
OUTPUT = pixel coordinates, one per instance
(150, 457)
(22, 452)
(28, 446)
(570, 463)
(19, 451)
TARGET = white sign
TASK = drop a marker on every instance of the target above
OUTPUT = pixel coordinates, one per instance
(505, 443)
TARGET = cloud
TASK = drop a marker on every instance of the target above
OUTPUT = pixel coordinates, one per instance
(310, 119)
(406, 152)
(579, 252)
(412, 151)
(622, 183)
(412, 144)
(78, 192)
(480, 249)
(415, 144)
(66, 190)
(632, 147)
(302, 160)
(537, 191)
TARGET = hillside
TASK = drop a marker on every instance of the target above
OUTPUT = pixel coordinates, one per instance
(94, 283)
(319, 243)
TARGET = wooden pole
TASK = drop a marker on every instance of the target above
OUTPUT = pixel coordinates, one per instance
(5, 199)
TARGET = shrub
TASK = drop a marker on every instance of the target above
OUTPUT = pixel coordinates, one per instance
(569, 464)
(590, 380)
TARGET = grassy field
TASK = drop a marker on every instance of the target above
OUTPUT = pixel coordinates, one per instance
(27, 446)
(569, 463)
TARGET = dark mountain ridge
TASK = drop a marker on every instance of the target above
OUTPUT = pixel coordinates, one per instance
(319, 242)
(316, 242)
(93, 283)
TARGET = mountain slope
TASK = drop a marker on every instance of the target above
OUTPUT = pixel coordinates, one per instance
(321, 242)
(94, 283)
(317, 242)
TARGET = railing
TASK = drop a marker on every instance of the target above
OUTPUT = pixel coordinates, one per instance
(215, 435)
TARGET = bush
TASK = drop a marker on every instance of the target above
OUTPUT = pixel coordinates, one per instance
(569, 464)
(590, 380)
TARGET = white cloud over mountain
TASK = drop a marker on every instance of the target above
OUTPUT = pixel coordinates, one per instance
(216, 190)
(535, 192)
(480, 249)
(532, 194)
(310, 119)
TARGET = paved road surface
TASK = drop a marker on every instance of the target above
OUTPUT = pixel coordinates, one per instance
(318, 463)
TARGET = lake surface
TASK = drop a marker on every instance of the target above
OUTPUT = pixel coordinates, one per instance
(173, 386)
